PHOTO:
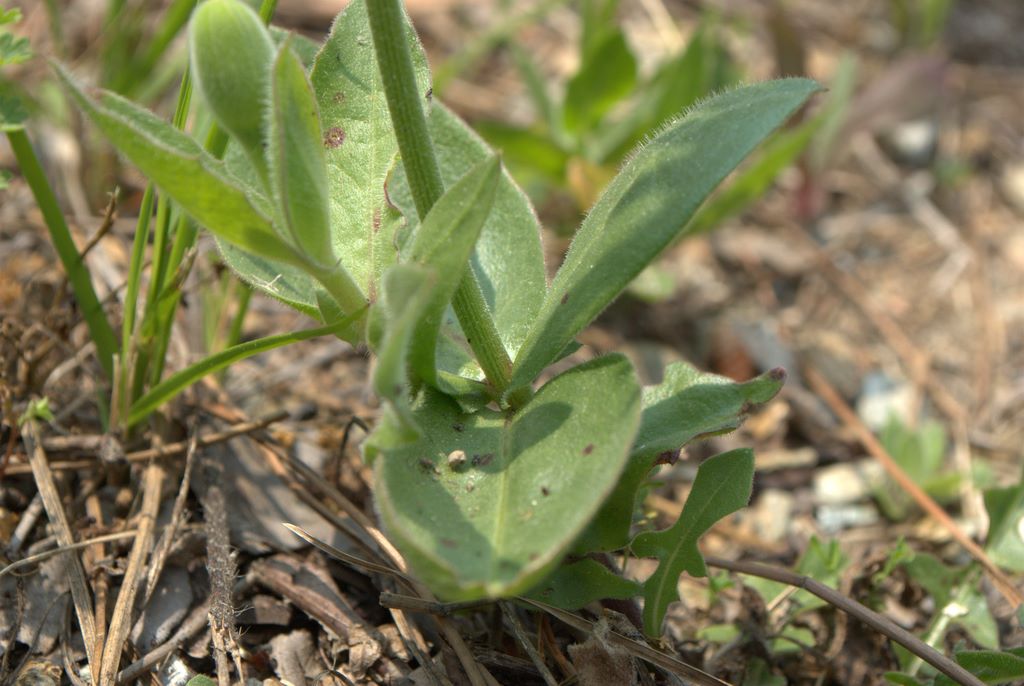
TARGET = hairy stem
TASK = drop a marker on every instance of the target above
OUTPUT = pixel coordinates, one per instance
(406, 108)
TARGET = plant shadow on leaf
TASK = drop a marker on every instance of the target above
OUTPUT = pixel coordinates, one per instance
(485, 504)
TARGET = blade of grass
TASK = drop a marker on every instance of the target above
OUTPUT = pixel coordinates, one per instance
(179, 381)
(78, 273)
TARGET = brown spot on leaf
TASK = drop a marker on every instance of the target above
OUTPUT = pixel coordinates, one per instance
(376, 219)
(430, 94)
(589, 449)
(458, 427)
(334, 137)
(777, 374)
(669, 457)
(449, 543)
(545, 491)
(338, 97)
(565, 298)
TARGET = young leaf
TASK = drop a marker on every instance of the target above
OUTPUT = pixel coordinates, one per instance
(686, 406)
(359, 144)
(176, 383)
(296, 159)
(408, 291)
(508, 259)
(648, 205)
(444, 242)
(485, 505)
(231, 53)
(577, 584)
(722, 486)
(188, 174)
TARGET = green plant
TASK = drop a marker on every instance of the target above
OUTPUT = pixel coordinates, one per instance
(359, 200)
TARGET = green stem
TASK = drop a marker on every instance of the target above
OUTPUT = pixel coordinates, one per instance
(78, 274)
(387, 26)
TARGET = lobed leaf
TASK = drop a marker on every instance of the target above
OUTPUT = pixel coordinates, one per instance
(686, 406)
(648, 204)
(722, 486)
(485, 505)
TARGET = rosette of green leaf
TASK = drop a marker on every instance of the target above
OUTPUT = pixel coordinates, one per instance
(203, 187)
(687, 405)
(648, 205)
(722, 486)
(484, 504)
(444, 241)
(231, 54)
(297, 169)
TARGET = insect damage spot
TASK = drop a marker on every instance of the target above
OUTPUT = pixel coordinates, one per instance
(376, 219)
(565, 298)
(589, 449)
(458, 427)
(338, 97)
(545, 491)
(482, 459)
(334, 137)
(430, 94)
(449, 543)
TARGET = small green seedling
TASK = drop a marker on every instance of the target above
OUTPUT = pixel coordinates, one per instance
(355, 197)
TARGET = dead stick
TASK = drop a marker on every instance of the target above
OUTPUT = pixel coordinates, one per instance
(854, 609)
(824, 389)
(80, 593)
(169, 450)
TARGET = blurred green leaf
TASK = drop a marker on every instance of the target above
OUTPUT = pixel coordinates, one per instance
(1005, 543)
(606, 75)
(12, 113)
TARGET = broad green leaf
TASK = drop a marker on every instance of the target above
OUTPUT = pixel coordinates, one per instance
(486, 504)
(920, 452)
(508, 260)
(526, 151)
(956, 595)
(444, 242)
(688, 405)
(197, 181)
(178, 382)
(298, 171)
(647, 206)
(408, 292)
(1005, 544)
(722, 486)
(231, 54)
(606, 75)
(577, 584)
(360, 146)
